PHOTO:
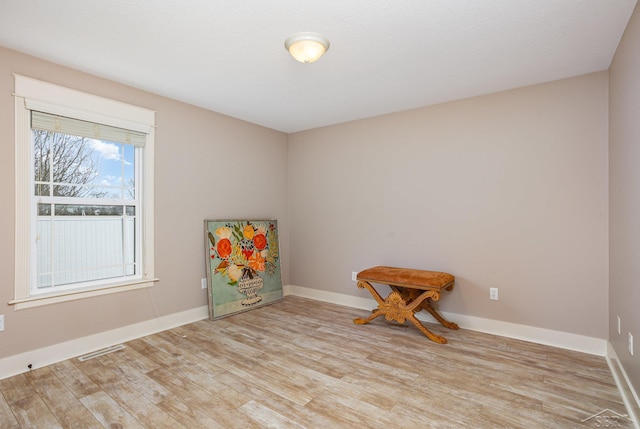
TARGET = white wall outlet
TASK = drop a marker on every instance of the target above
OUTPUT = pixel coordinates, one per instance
(619, 330)
(1, 322)
(203, 283)
(354, 276)
(630, 344)
(493, 293)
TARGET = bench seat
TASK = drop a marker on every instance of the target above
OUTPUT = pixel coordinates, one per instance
(405, 277)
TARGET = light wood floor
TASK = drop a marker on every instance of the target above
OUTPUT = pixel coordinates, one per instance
(304, 364)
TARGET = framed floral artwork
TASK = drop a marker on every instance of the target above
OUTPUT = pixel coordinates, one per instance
(243, 265)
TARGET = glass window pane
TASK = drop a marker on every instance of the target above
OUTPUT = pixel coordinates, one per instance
(110, 156)
(129, 175)
(44, 281)
(83, 167)
(130, 270)
(129, 193)
(41, 150)
(73, 158)
(87, 210)
(109, 192)
(44, 209)
(69, 191)
(129, 164)
(42, 190)
(88, 191)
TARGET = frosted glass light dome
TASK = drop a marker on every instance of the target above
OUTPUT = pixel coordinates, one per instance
(306, 47)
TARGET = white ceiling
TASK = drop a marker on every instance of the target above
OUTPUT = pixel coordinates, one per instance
(385, 56)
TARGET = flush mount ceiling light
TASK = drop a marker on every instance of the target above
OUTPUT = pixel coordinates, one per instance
(306, 47)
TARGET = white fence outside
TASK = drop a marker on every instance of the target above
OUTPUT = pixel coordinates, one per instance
(83, 248)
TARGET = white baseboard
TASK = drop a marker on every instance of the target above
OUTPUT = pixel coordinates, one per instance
(17, 364)
(565, 340)
(628, 393)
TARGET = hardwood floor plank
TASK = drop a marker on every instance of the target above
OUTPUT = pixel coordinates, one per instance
(523, 418)
(580, 386)
(138, 406)
(15, 388)
(191, 417)
(278, 341)
(159, 357)
(302, 415)
(108, 412)
(26, 405)
(216, 406)
(453, 411)
(31, 412)
(267, 381)
(7, 419)
(351, 411)
(213, 384)
(75, 380)
(136, 378)
(267, 418)
(60, 400)
(131, 358)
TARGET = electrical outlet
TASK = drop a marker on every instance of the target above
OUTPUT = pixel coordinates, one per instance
(493, 293)
(619, 330)
(1, 322)
(203, 283)
(354, 276)
(630, 344)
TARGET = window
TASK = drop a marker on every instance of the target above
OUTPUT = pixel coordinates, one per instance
(84, 195)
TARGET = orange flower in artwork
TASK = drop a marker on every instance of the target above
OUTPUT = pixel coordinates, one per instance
(260, 241)
(257, 262)
(224, 248)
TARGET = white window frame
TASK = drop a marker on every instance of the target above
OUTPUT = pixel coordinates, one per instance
(32, 94)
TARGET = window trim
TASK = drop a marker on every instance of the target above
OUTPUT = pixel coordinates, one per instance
(32, 94)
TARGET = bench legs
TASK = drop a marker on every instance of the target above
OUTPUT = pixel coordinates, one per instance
(412, 294)
(402, 304)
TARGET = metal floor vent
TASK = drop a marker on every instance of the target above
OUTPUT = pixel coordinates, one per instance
(101, 352)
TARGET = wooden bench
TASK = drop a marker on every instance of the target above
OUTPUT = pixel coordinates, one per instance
(411, 291)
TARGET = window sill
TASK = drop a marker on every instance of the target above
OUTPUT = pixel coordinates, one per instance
(37, 301)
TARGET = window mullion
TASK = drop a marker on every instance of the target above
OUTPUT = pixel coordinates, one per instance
(52, 253)
(86, 201)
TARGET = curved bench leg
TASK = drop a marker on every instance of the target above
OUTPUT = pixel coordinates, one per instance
(433, 337)
(375, 313)
(364, 320)
(413, 294)
(444, 322)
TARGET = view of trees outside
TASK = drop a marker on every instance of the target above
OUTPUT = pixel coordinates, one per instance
(79, 167)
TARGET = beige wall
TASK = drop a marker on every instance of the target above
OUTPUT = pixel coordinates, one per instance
(198, 154)
(506, 190)
(624, 167)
